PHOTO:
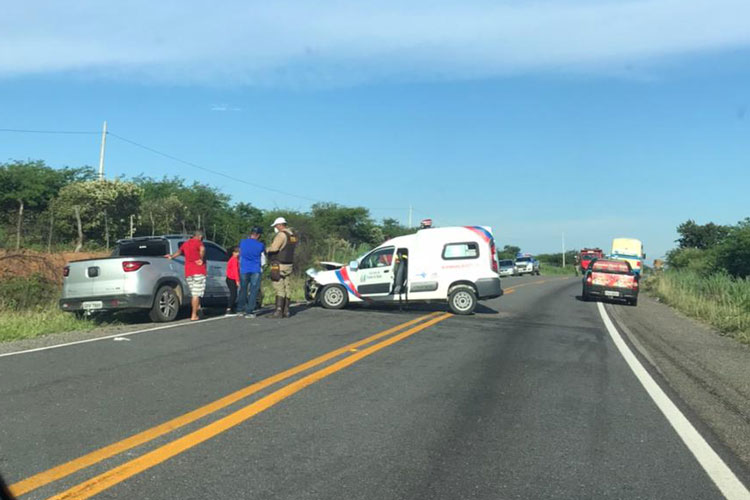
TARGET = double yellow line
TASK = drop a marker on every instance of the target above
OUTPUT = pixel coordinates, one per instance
(132, 467)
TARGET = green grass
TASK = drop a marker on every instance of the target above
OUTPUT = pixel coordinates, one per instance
(298, 290)
(719, 299)
(550, 270)
(28, 308)
(30, 323)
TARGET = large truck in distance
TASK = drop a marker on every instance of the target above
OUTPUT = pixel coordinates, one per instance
(629, 250)
(586, 255)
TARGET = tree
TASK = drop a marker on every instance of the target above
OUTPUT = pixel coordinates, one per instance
(704, 236)
(30, 184)
(392, 228)
(508, 252)
(734, 253)
(99, 203)
(349, 223)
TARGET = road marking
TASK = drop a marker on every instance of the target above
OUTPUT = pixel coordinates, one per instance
(43, 478)
(129, 469)
(511, 289)
(113, 336)
(173, 325)
(722, 476)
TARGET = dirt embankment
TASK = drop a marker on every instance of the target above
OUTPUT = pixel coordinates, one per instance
(27, 262)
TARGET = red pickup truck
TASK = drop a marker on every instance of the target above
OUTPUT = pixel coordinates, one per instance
(587, 255)
(611, 279)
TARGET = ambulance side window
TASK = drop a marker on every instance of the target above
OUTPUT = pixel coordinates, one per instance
(455, 251)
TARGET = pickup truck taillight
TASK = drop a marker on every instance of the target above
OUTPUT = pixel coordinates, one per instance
(133, 265)
(66, 271)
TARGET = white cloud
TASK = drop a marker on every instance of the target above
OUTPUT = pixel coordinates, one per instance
(224, 108)
(334, 42)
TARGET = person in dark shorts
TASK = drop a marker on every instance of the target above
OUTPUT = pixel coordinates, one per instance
(233, 279)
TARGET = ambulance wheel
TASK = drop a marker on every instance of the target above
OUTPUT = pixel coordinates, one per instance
(462, 300)
(334, 297)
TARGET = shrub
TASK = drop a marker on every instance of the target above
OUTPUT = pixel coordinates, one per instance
(21, 293)
(696, 260)
(734, 253)
(719, 299)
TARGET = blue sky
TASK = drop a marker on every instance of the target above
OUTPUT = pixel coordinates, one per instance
(596, 119)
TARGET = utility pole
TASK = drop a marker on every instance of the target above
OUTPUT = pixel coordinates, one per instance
(101, 151)
(563, 248)
(411, 210)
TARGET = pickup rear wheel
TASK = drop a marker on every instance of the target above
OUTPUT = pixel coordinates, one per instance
(166, 305)
(462, 300)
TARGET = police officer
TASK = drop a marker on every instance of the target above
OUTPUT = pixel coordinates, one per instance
(281, 257)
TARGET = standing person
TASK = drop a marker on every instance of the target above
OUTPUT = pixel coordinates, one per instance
(281, 255)
(251, 255)
(233, 279)
(195, 269)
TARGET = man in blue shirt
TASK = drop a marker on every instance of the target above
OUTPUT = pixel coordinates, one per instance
(251, 255)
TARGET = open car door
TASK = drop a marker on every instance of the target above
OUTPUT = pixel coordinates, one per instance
(374, 277)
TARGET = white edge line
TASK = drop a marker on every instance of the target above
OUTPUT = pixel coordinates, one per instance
(122, 334)
(727, 482)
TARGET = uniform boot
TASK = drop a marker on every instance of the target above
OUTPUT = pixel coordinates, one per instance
(279, 311)
(287, 300)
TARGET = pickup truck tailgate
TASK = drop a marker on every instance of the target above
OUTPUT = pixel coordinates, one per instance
(93, 278)
(612, 280)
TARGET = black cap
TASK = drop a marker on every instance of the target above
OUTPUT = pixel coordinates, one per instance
(256, 230)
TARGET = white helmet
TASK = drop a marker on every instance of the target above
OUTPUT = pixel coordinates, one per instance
(279, 220)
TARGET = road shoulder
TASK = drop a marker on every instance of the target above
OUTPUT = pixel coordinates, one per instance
(709, 372)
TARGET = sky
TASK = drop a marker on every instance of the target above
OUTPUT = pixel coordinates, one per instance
(588, 119)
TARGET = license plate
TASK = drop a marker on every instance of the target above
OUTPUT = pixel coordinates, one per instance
(610, 293)
(94, 304)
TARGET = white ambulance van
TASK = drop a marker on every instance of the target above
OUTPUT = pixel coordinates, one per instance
(453, 264)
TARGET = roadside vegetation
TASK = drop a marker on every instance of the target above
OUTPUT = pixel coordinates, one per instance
(708, 276)
(553, 270)
(49, 216)
(28, 308)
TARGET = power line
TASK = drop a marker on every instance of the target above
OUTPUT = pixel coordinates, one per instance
(65, 132)
(209, 170)
(227, 176)
(184, 162)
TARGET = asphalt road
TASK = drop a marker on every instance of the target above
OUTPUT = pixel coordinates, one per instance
(528, 398)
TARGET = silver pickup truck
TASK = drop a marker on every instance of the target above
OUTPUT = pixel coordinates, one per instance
(137, 276)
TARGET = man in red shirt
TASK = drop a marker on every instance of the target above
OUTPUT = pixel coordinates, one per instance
(195, 269)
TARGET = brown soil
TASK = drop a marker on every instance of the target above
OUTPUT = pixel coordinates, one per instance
(50, 266)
